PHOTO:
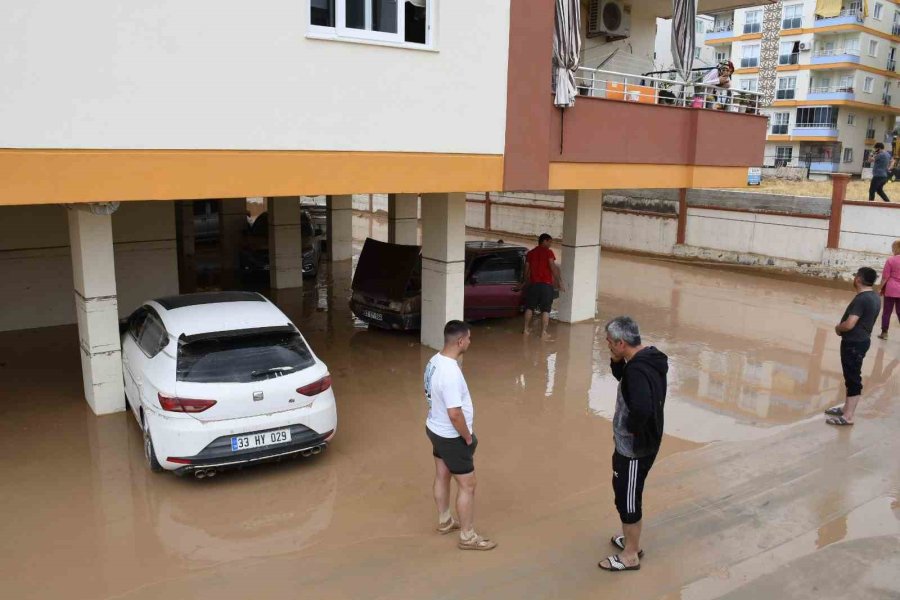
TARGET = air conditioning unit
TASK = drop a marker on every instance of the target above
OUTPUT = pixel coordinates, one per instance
(804, 46)
(610, 18)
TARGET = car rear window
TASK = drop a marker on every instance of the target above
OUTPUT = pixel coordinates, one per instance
(242, 358)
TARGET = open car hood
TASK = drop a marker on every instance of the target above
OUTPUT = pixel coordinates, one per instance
(384, 270)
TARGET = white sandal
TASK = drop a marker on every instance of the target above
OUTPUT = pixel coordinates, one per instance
(477, 543)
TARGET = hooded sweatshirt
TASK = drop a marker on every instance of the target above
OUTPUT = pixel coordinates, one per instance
(638, 421)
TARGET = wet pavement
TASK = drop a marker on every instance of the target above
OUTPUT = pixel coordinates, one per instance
(752, 496)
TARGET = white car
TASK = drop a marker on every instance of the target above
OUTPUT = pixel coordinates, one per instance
(223, 379)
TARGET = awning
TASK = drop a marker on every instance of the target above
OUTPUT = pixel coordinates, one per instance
(566, 50)
(828, 8)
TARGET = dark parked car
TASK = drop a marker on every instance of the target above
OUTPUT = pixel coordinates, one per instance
(387, 285)
(254, 258)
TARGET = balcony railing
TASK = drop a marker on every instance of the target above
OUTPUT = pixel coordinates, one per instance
(836, 52)
(847, 12)
(831, 89)
(653, 90)
(721, 28)
(815, 126)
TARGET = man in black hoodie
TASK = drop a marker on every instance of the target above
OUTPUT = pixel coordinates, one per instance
(637, 429)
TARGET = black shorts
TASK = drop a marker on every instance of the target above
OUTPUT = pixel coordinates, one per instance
(539, 297)
(628, 479)
(456, 454)
(852, 355)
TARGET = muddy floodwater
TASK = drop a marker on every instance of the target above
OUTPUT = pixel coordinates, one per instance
(752, 495)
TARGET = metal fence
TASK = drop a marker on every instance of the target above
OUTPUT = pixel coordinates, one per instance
(645, 89)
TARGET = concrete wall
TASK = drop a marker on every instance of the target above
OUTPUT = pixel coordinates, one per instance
(36, 266)
(801, 239)
(637, 232)
(869, 228)
(224, 74)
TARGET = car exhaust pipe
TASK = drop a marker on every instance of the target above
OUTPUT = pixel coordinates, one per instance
(317, 450)
(210, 473)
(200, 474)
(205, 473)
(306, 453)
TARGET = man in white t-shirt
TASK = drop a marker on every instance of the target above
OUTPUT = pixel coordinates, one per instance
(453, 441)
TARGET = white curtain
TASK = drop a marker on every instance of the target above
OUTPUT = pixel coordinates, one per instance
(566, 50)
(684, 18)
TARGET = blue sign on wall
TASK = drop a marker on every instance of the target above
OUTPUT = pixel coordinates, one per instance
(754, 176)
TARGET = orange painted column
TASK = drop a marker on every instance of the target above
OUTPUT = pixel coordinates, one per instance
(839, 183)
(682, 215)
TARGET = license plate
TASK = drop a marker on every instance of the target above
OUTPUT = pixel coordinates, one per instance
(259, 440)
(373, 315)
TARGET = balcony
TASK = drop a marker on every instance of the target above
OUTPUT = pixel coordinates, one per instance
(815, 130)
(721, 31)
(846, 17)
(831, 93)
(835, 56)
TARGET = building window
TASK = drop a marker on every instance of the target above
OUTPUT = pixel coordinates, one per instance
(876, 14)
(699, 27)
(753, 21)
(848, 155)
(851, 119)
(697, 52)
(749, 85)
(817, 117)
(868, 84)
(750, 56)
(780, 123)
(846, 84)
(873, 48)
(792, 18)
(786, 88)
(404, 22)
(721, 56)
(789, 53)
(783, 155)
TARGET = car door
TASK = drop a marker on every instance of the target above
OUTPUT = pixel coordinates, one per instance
(494, 286)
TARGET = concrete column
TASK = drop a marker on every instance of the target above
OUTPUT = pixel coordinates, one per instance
(403, 219)
(232, 224)
(187, 246)
(340, 227)
(839, 183)
(96, 307)
(443, 263)
(285, 243)
(682, 216)
(580, 255)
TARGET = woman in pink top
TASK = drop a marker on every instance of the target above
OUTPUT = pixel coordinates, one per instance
(890, 289)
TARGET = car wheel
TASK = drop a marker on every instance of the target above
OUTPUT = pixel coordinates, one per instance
(150, 452)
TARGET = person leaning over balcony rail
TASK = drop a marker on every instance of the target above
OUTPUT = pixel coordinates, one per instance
(720, 77)
(890, 289)
(881, 161)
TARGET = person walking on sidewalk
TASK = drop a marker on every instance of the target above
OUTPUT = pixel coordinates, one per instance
(449, 427)
(890, 289)
(880, 162)
(855, 330)
(542, 277)
(637, 431)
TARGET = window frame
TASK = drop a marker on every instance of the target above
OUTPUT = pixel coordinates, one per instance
(161, 343)
(478, 266)
(868, 84)
(851, 119)
(745, 86)
(776, 122)
(793, 19)
(848, 155)
(878, 11)
(755, 58)
(341, 33)
(873, 48)
(782, 91)
(783, 157)
(755, 25)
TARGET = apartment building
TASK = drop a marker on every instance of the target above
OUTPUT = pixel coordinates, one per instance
(117, 119)
(828, 75)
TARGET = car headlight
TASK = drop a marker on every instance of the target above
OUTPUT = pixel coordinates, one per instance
(395, 306)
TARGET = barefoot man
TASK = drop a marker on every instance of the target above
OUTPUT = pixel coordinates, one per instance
(542, 276)
(453, 441)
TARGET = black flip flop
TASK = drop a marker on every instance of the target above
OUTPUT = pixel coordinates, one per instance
(839, 422)
(836, 411)
(616, 565)
(619, 542)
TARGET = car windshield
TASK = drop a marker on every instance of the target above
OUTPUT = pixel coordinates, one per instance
(242, 358)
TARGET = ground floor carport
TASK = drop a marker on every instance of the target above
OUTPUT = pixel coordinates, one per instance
(92, 264)
(752, 495)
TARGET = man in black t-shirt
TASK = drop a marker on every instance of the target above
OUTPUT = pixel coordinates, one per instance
(855, 330)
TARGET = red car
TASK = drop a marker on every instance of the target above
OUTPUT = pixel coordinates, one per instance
(387, 285)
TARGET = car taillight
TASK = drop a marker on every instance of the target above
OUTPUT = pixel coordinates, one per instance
(184, 405)
(316, 388)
